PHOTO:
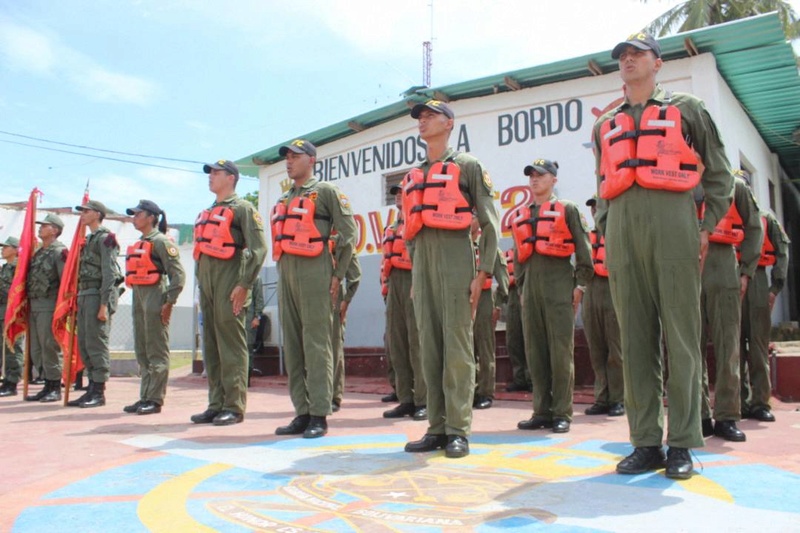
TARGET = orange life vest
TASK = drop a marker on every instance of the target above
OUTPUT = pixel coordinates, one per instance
(654, 155)
(276, 219)
(488, 283)
(212, 233)
(139, 266)
(299, 234)
(435, 200)
(730, 229)
(768, 257)
(546, 234)
(386, 247)
(384, 285)
(598, 254)
(510, 267)
(395, 248)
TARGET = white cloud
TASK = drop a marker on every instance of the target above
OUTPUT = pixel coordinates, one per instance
(26, 49)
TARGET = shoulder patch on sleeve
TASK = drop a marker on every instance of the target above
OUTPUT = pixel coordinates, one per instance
(110, 241)
(172, 250)
(584, 224)
(487, 181)
(258, 220)
(64, 255)
(344, 202)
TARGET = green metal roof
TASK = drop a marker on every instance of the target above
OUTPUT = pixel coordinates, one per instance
(752, 56)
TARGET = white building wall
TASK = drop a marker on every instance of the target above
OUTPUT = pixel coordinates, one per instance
(500, 131)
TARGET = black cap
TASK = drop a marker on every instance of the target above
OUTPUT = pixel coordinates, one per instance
(592, 201)
(93, 205)
(542, 166)
(299, 146)
(437, 106)
(222, 164)
(145, 205)
(641, 40)
(394, 189)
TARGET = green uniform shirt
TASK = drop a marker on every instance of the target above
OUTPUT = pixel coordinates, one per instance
(750, 248)
(780, 241)
(6, 277)
(167, 259)
(98, 267)
(701, 134)
(331, 203)
(44, 274)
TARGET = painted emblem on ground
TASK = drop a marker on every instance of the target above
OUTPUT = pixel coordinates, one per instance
(367, 483)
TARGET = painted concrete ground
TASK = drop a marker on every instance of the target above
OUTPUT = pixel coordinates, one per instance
(102, 470)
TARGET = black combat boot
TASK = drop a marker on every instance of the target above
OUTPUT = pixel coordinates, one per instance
(54, 394)
(8, 389)
(39, 395)
(97, 397)
(82, 398)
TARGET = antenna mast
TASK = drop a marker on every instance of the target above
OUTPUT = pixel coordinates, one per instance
(427, 51)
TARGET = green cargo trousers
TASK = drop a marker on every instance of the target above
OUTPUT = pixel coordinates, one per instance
(721, 312)
(652, 246)
(151, 342)
(602, 333)
(93, 337)
(337, 347)
(444, 267)
(484, 343)
(548, 324)
(306, 314)
(515, 343)
(224, 335)
(403, 340)
(45, 351)
(14, 357)
(756, 325)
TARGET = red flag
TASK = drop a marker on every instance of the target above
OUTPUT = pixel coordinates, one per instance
(17, 311)
(65, 315)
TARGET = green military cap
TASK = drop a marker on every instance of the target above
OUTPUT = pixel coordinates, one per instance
(12, 241)
(53, 220)
(93, 205)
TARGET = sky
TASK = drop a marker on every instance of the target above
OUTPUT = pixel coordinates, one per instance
(191, 81)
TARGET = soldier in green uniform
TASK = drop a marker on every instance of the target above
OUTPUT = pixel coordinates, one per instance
(551, 290)
(483, 328)
(347, 291)
(446, 287)
(254, 311)
(401, 325)
(44, 278)
(654, 251)
(723, 287)
(602, 334)
(515, 341)
(230, 248)
(308, 285)
(153, 269)
(756, 320)
(13, 354)
(98, 277)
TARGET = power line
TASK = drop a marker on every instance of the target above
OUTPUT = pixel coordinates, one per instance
(94, 156)
(82, 147)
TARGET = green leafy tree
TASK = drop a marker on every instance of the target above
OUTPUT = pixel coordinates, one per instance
(252, 197)
(694, 14)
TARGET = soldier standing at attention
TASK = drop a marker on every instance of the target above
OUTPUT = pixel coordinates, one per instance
(229, 249)
(153, 269)
(546, 235)
(724, 284)
(401, 322)
(515, 343)
(13, 354)
(438, 200)
(347, 291)
(44, 278)
(484, 325)
(602, 333)
(98, 277)
(654, 249)
(308, 284)
(756, 320)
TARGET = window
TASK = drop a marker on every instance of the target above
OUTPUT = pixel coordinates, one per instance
(391, 180)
